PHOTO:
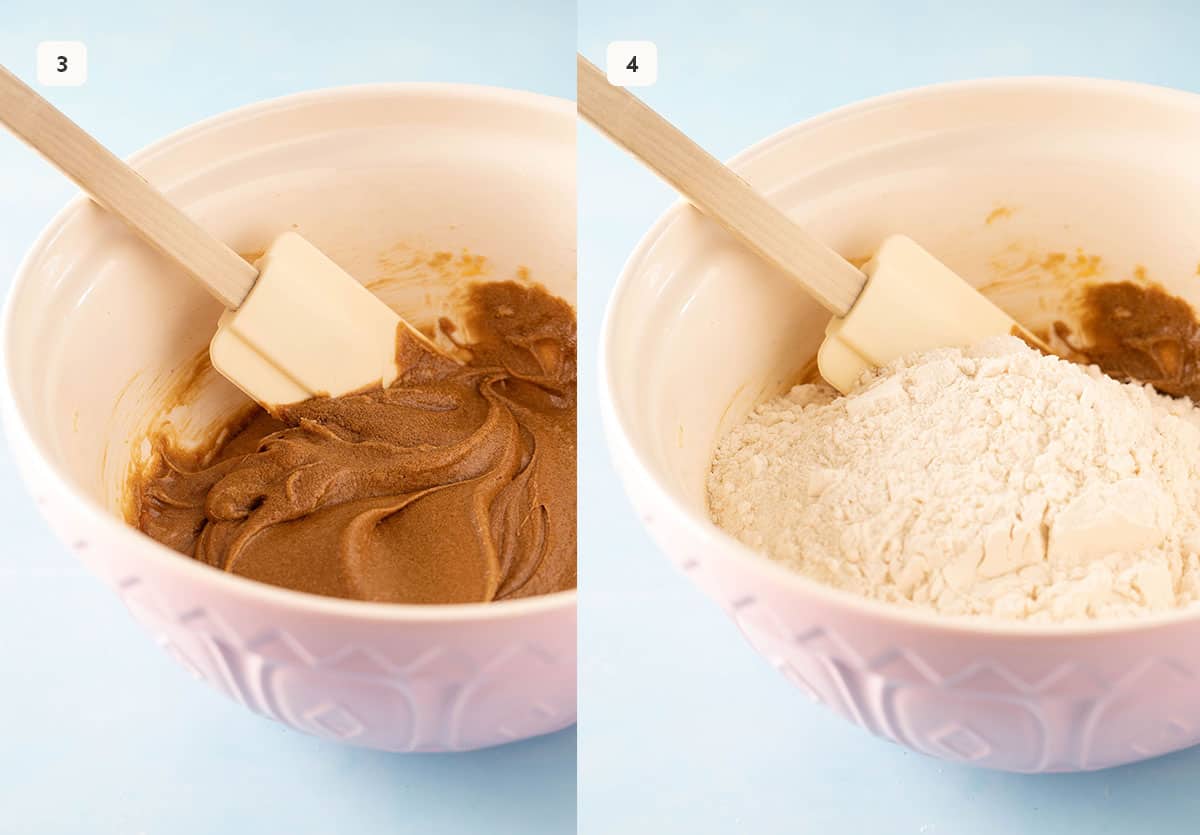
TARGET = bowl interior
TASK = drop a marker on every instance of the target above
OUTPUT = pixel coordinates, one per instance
(404, 186)
(1029, 188)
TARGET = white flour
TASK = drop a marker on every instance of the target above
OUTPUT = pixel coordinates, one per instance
(992, 481)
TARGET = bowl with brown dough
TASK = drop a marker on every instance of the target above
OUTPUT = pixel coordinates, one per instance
(394, 569)
(1038, 191)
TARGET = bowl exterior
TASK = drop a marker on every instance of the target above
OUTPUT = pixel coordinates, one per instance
(361, 679)
(1008, 702)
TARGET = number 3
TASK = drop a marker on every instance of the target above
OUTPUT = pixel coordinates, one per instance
(632, 65)
(62, 63)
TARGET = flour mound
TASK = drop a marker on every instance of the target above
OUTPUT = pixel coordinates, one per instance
(991, 481)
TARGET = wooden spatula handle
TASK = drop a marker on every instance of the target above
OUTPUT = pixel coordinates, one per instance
(717, 191)
(121, 190)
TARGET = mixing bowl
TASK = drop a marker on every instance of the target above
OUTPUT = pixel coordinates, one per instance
(405, 186)
(1031, 187)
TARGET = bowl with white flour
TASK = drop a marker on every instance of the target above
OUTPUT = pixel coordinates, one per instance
(985, 554)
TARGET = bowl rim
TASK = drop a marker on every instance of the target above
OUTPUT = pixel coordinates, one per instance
(726, 548)
(132, 540)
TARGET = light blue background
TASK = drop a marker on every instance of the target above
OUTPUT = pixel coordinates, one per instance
(99, 731)
(684, 728)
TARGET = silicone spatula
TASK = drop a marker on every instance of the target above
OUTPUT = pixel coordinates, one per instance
(297, 325)
(903, 300)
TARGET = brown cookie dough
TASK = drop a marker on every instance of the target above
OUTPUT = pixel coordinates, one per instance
(1139, 332)
(455, 484)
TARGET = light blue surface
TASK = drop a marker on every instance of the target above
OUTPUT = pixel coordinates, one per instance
(684, 728)
(99, 731)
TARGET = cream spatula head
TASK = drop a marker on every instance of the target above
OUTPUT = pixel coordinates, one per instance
(297, 325)
(903, 301)
(308, 329)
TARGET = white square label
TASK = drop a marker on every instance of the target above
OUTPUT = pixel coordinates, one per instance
(632, 63)
(61, 63)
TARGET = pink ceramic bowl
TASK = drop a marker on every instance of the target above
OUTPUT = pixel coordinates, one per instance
(998, 178)
(98, 330)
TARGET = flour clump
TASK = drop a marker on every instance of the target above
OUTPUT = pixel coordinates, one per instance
(991, 481)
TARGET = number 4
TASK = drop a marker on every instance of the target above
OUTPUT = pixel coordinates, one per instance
(626, 63)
